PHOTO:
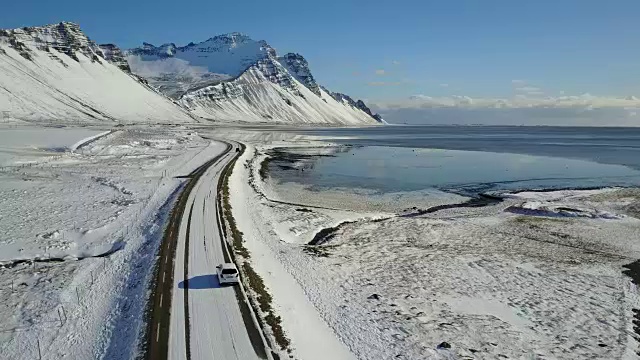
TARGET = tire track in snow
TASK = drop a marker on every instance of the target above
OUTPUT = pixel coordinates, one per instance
(159, 312)
(187, 322)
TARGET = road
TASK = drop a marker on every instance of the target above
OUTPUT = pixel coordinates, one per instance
(202, 320)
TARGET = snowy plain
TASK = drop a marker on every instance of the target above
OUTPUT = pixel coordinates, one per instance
(79, 227)
(537, 275)
(491, 282)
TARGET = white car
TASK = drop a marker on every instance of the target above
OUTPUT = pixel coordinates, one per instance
(227, 273)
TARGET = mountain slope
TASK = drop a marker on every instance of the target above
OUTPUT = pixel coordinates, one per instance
(56, 73)
(254, 97)
(234, 78)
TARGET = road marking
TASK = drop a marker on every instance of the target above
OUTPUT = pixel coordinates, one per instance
(158, 333)
(163, 275)
(161, 295)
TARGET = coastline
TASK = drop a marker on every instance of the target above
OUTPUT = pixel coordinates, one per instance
(343, 283)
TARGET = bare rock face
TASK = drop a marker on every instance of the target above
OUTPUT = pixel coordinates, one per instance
(149, 50)
(229, 54)
(359, 104)
(298, 66)
(114, 55)
(64, 37)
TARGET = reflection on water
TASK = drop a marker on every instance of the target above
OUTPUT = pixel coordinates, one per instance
(395, 169)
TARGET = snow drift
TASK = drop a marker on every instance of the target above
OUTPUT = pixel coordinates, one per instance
(56, 73)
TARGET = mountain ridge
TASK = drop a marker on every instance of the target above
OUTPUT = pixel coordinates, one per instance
(228, 77)
(56, 74)
(202, 75)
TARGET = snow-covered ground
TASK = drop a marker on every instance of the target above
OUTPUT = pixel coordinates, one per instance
(20, 145)
(62, 210)
(491, 282)
(310, 335)
(535, 276)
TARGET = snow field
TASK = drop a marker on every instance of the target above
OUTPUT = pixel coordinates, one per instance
(24, 144)
(108, 195)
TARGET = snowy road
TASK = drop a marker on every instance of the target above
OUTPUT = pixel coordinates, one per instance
(206, 320)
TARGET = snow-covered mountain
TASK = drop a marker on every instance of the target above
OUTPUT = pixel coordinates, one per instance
(56, 73)
(234, 78)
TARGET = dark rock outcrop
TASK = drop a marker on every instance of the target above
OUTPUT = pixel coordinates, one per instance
(163, 51)
(64, 37)
(299, 68)
(359, 104)
(114, 55)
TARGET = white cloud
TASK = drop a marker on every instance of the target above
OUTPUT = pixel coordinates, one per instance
(395, 62)
(465, 111)
(380, 72)
(444, 85)
(384, 83)
(528, 106)
(584, 101)
(527, 89)
(521, 87)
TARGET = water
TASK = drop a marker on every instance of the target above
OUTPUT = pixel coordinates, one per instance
(475, 159)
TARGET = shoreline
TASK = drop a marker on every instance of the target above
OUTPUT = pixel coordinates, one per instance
(287, 228)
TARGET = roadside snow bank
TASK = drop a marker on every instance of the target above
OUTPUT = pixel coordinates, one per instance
(310, 336)
(86, 141)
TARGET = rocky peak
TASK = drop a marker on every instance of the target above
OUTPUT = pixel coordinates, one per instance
(230, 42)
(232, 39)
(149, 50)
(298, 66)
(215, 66)
(228, 54)
(65, 37)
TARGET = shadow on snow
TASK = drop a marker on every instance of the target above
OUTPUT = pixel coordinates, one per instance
(200, 282)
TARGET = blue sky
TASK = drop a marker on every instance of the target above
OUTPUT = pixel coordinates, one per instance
(380, 50)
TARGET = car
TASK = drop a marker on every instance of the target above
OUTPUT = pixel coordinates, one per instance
(228, 273)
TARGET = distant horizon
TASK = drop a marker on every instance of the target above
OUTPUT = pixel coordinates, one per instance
(511, 126)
